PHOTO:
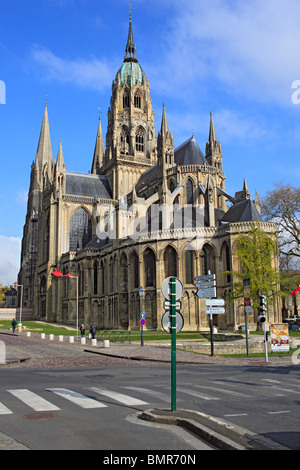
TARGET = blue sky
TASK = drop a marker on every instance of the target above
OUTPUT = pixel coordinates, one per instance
(234, 58)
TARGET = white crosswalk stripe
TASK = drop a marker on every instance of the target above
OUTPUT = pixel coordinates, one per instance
(33, 400)
(120, 397)
(4, 410)
(81, 400)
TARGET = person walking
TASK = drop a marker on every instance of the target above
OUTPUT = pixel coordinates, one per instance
(13, 324)
(93, 329)
(82, 330)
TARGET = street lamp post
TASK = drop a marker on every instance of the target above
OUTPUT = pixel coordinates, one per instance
(142, 293)
(21, 302)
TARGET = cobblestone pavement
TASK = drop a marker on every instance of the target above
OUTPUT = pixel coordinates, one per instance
(22, 351)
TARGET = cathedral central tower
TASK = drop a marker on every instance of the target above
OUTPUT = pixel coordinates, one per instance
(130, 138)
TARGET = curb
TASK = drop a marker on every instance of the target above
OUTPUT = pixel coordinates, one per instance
(220, 434)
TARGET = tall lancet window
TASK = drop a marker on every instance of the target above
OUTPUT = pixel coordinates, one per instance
(137, 100)
(140, 140)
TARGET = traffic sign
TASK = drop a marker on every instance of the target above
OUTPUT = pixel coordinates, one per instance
(142, 321)
(166, 289)
(167, 324)
(215, 310)
(208, 277)
(206, 293)
(216, 302)
(143, 315)
(168, 304)
(205, 284)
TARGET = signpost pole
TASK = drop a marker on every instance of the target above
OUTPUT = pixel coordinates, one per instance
(211, 334)
(173, 327)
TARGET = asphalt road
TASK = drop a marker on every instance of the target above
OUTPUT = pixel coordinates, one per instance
(62, 397)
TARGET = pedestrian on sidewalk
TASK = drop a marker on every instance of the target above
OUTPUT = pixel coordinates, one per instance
(13, 324)
(93, 329)
(82, 330)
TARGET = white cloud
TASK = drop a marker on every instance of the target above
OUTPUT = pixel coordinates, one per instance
(10, 249)
(88, 73)
(250, 48)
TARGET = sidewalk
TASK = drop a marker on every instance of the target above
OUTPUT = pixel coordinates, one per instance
(19, 347)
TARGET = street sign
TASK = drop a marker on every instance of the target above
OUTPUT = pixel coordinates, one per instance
(168, 304)
(143, 315)
(167, 325)
(214, 310)
(216, 302)
(206, 293)
(142, 321)
(166, 289)
(208, 277)
(205, 284)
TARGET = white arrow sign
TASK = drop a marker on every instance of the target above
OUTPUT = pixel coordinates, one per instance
(215, 310)
(216, 302)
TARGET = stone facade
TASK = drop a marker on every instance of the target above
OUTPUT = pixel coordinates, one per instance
(146, 211)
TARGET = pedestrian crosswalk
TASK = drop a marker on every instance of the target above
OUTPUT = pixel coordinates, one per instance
(97, 397)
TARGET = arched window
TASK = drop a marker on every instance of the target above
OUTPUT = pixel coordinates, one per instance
(139, 140)
(137, 100)
(80, 230)
(134, 270)
(95, 267)
(170, 262)
(189, 192)
(189, 266)
(150, 272)
(126, 99)
(204, 262)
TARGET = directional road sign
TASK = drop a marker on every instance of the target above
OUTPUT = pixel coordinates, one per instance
(206, 293)
(215, 310)
(208, 277)
(215, 302)
(143, 315)
(205, 284)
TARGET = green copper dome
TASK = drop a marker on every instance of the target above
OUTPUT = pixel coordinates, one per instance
(131, 69)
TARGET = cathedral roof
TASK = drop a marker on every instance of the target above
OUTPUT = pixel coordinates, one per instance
(81, 184)
(244, 211)
(189, 153)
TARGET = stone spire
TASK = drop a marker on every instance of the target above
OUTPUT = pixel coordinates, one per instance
(213, 148)
(165, 144)
(44, 151)
(130, 46)
(98, 159)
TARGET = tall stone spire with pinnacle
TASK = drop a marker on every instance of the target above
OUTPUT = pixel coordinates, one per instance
(165, 144)
(44, 151)
(98, 159)
(130, 46)
(213, 148)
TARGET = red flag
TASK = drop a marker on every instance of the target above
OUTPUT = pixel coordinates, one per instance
(295, 291)
(69, 275)
(57, 273)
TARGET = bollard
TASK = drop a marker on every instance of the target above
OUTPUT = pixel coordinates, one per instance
(51, 337)
(43, 336)
(94, 342)
(60, 338)
(106, 343)
(28, 334)
(83, 341)
(71, 340)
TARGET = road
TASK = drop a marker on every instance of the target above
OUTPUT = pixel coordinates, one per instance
(98, 407)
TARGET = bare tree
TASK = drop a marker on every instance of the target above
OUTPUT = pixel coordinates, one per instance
(282, 206)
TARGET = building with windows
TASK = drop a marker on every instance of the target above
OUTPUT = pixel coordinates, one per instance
(146, 211)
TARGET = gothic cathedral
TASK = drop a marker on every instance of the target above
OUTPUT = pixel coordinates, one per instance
(145, 212)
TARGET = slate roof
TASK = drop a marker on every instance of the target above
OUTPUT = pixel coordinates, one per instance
(81, 184)
(244, 211)
(189, 153)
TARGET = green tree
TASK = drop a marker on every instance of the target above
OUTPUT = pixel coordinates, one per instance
(256, 252)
